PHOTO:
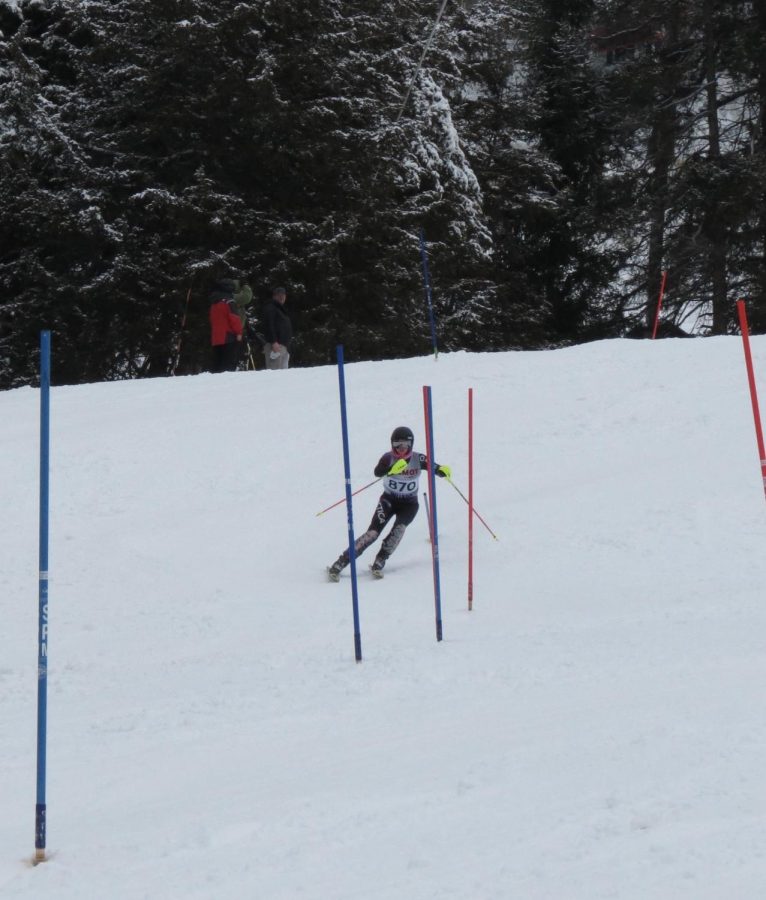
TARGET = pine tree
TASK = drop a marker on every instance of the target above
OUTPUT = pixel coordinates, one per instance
(741, 43)
(681, 97)
(387, 171)
(263, 141)
(52, 232)
(574, 121)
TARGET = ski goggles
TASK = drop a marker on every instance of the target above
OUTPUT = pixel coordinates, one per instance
(399, 446)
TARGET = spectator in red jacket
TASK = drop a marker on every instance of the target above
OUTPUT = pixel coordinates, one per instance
(225, 327)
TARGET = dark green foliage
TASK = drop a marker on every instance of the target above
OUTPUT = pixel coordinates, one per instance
(558, 157)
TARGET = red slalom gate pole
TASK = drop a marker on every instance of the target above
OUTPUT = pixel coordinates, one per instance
(659, 304)
(753, 392)
(470, 498)
(428, 514)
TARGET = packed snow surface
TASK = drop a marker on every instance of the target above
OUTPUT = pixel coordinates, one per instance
(593, 728)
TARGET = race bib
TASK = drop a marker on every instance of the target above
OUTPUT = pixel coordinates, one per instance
(405, 484)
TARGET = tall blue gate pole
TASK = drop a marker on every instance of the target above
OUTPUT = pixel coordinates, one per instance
(432, 492)
(427, 283)
(42, 631)
(349, 507)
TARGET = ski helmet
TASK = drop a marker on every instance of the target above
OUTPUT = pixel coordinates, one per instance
(402, 440)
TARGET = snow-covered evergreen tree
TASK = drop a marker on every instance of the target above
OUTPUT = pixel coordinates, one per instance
(52, 232)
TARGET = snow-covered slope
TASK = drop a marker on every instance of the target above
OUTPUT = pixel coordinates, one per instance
(594, 728)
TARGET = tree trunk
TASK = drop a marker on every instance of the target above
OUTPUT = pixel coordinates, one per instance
(759, 301)
(661, 153)
(714, 227)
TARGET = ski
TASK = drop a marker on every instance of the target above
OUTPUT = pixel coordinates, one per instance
(335, 576)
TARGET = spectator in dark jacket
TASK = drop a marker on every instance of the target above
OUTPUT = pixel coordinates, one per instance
(278, 331)
(225, 327)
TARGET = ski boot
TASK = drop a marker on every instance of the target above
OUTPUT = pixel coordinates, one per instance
(377, 567)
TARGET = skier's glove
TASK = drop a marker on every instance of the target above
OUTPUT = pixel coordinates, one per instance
(399, 466)
(444, 471)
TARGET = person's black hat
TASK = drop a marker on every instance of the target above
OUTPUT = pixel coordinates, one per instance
(279, 290)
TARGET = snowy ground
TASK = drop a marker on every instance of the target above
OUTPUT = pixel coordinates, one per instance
(594, 728)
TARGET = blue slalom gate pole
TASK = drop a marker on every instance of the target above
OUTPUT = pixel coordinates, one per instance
(349, 507)
(427, 284)
(42, 631)
(432, 493)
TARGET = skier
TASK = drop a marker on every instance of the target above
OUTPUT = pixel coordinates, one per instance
(401, 470)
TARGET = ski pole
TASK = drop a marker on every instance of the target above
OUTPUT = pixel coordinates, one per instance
(249, 355)
(474, 510)
(181, 335)
(359, 491)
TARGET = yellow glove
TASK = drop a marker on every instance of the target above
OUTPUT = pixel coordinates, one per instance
(399, 466)
(444, 471)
